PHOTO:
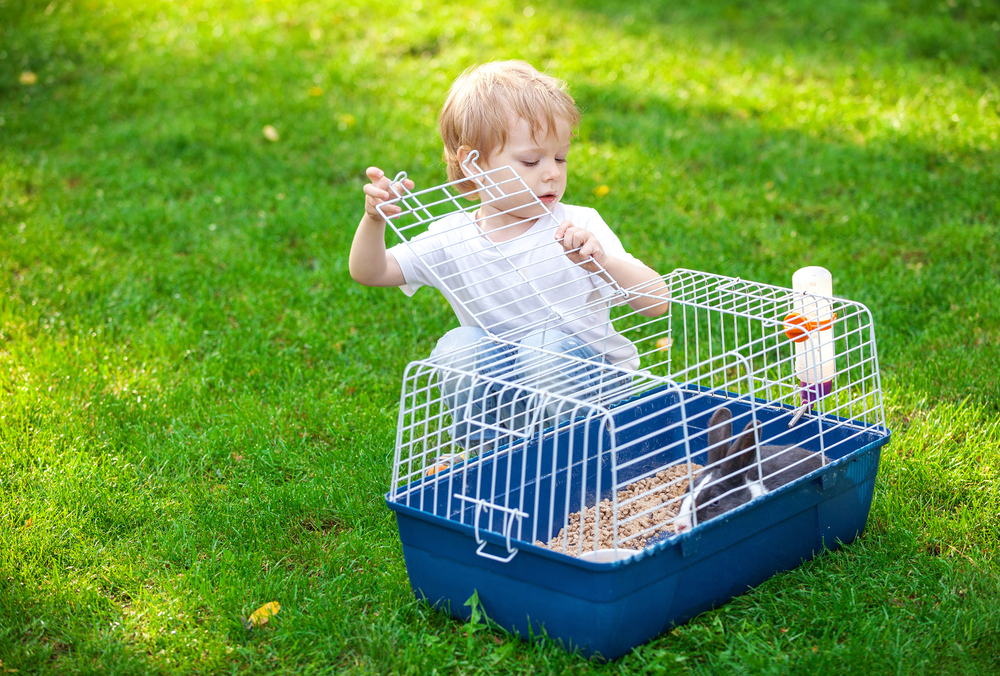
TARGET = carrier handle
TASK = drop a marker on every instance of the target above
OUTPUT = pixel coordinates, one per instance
(508, 522)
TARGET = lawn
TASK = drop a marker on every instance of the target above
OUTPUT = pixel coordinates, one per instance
(197, 404)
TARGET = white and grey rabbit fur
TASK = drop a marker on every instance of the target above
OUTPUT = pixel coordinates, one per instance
(733, 478)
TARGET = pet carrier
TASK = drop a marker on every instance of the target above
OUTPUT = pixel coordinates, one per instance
(666, 461)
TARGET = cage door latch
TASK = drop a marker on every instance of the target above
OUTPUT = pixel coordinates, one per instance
(509, 514)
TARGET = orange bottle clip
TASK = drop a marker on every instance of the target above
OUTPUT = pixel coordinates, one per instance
(798, 327)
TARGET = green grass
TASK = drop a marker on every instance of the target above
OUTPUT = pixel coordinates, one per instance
(197, 404)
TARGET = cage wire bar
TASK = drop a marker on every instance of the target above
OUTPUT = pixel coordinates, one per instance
(525, 453)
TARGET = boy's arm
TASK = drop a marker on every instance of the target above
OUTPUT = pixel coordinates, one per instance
(641, 279)
(655, 295)
(369, 262)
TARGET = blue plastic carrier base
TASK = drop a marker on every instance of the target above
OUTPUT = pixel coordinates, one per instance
(606, 609)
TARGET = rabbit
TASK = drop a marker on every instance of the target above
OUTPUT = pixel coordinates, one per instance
(733, 479)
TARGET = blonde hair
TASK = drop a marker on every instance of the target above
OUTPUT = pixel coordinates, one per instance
(484, 100)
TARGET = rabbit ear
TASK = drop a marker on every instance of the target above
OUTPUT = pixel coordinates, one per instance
(747, 439)
(741, 455)
(719, 431)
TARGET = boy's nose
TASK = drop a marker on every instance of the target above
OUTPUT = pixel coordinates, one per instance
(552, 171)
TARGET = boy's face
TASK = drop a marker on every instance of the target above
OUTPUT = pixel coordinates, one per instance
(540, 162)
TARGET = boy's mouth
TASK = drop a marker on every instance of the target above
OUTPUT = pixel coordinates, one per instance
(547, 198)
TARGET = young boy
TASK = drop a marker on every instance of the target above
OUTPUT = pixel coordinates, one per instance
(539, 281)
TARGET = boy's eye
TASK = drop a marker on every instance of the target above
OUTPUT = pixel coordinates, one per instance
(560, 159)
(529, 164)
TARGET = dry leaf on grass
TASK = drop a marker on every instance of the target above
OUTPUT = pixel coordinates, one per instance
(262, 614)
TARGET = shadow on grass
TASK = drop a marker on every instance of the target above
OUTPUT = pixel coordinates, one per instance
(953, 34)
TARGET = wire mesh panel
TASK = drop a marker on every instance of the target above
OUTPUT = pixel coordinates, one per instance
(492, 253)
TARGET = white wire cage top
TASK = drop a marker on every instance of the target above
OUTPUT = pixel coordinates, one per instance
(492, 253)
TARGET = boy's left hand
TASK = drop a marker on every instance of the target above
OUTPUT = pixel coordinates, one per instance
(590, 254)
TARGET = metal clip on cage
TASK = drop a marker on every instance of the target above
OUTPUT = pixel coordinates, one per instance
(554, 455)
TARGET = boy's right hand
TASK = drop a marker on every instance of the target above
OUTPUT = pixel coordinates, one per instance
(379, 191)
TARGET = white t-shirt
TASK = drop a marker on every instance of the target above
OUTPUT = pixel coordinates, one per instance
(527, 283)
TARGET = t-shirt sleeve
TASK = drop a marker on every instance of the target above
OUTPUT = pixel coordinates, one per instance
(413, 268)
(613, 246)
(420, 254)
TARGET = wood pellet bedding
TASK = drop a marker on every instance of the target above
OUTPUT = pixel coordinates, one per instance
(666, 488)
